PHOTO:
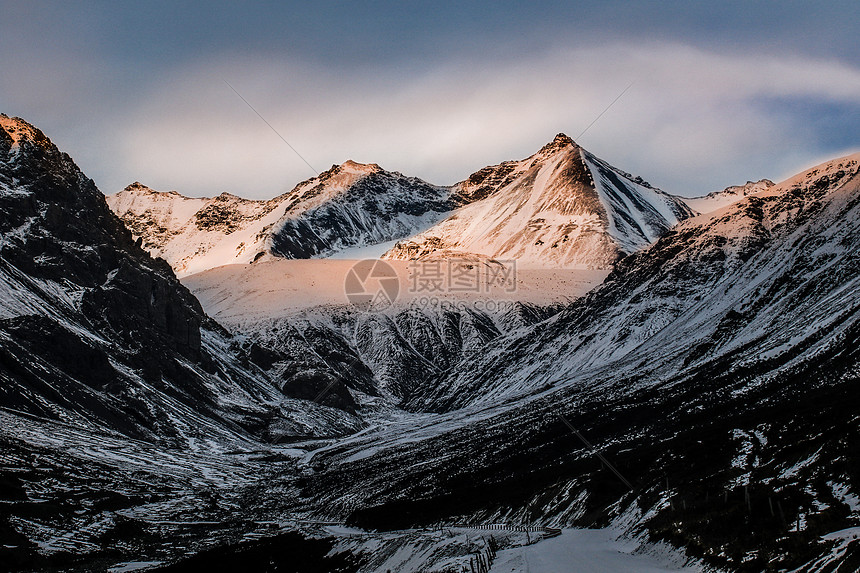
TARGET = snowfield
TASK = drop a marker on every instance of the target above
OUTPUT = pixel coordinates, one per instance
(589, 551)
(280, 288)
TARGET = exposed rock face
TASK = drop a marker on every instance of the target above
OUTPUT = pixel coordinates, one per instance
(57, 227)
(349, 205)
(95, 330)
(393, 354)
(410, 348)
(376, 207)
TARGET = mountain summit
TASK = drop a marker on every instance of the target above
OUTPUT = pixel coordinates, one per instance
(94, 331)
(351, 204)
(561, 207)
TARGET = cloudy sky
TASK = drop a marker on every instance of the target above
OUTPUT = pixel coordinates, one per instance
(721, 92)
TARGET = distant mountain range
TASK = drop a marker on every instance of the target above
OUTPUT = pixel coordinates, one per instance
(561, 208)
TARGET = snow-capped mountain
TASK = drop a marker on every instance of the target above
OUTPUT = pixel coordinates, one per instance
(543, 211)
(561, 207)
(96, 332)
(715, 279)
(349, 205)
(702, 397)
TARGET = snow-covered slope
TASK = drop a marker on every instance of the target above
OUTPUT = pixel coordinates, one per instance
(700, 282)
(349, 205)
(95, 332)
(561, 207)
(193, 234)
(240, 295)
(719, 199)
(355, 205)
(705, 394)
(403, 345)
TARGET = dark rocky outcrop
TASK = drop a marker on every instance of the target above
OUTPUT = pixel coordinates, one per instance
(96, 325)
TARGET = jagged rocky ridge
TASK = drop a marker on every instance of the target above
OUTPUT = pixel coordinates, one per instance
(349, 205)
(561, 207)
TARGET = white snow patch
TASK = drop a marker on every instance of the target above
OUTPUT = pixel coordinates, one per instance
(133, 566)
(583, 551)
